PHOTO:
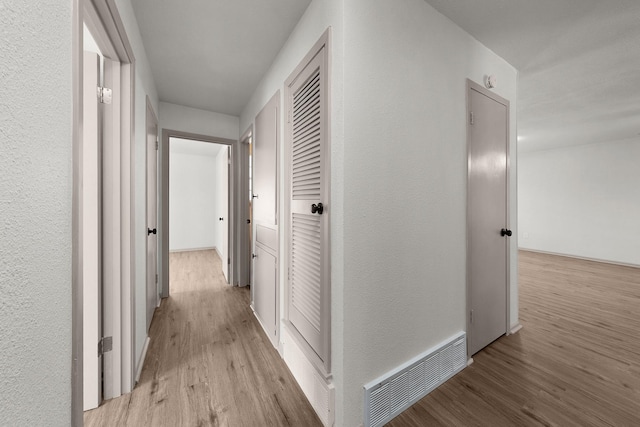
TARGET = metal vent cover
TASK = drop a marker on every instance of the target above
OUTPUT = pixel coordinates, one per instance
(395, 391)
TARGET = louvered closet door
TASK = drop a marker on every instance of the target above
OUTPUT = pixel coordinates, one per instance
(308, 257)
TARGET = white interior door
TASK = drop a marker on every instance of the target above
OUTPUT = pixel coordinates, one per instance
(91, 231)
(224, 211)
(152, 213)
(111, 233)
(265, 295)
(265, 259)
(488, 219)
(307, 146)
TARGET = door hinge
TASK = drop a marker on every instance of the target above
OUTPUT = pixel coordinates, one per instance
(228, 260)
(105, 95)
(105, 345)
(471, 316)
(471, 117)
(156, 278)
(157, 144)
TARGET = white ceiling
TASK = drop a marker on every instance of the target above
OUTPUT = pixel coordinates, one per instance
(578, 62)
(211, 54)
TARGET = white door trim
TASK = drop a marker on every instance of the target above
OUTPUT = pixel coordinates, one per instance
(235, 220)
(113, 42)
(471, 85)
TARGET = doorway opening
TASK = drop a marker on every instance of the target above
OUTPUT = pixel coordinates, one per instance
(227, 229)
(199, 177)
(102, 198)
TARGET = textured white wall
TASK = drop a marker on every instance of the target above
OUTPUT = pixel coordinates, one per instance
(582, 201)
(193, 120)
(35, 213)
(144, 86)
(193, 213)
(320, 15)
(405, 75)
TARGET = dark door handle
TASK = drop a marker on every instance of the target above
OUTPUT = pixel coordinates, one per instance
(221, 219)
(505, 232)
(248, 221)
(150, 231)
(317, 208)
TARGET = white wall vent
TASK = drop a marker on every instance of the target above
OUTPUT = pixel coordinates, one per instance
(400, 388)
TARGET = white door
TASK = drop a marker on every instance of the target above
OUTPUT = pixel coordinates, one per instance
(91, 231)
(264, 284)
(307, 154)
(224, 210)
(488, 216)
(152, 213)
(265, 294)
(111, 234)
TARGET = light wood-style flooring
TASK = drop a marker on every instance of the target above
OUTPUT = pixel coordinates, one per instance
(208, 363)
(576, 362)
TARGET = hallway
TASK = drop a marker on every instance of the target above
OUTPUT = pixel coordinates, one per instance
(209, 363)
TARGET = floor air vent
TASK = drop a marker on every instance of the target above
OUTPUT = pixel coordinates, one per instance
(395, 391)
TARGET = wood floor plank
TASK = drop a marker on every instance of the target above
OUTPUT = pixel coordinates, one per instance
(576, 362)
(209, 363)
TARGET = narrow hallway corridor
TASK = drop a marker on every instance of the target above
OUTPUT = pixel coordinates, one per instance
(209, 363)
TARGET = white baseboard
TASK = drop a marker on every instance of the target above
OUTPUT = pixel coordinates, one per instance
(515, 329)
(208, 248)
(604, 261)
(141, 360)
(319, 391)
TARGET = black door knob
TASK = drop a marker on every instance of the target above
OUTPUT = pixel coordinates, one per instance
(150, 231)
(221, 219)
(505, 232)
(317, 208)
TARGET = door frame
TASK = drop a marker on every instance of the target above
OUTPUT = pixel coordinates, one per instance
(471, 85)
(103, 19)
(234, 218)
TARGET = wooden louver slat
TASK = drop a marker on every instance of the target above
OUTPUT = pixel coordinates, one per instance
(306, 140)
(305, 264)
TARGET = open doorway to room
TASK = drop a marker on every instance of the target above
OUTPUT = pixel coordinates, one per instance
(199, 175)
